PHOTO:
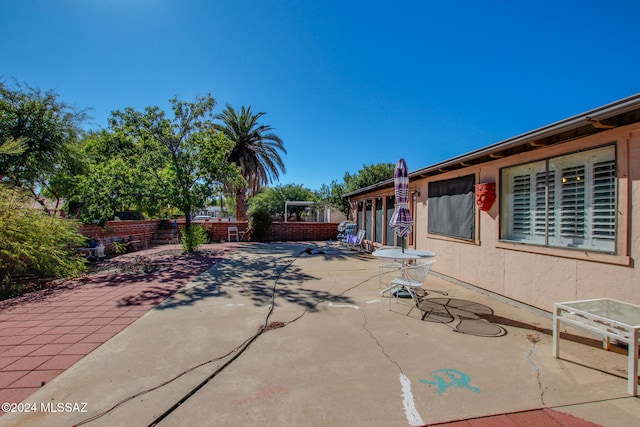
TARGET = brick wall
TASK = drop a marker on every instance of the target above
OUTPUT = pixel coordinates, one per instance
(139, 231)
(143, 231)
(219, 230)
(278, 231)
(302, 231)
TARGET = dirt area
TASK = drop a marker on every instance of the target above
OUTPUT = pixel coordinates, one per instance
(144, 263)
(171, 262)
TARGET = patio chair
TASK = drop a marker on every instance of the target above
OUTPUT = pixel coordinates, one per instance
(233, 232)
(341, 230)
(99, 251)
(355, 242)
(411, 280)
(387, 265)
(349, 230)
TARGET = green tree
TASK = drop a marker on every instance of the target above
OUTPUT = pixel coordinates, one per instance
(12, 147)
(368, 175)
(273, 199)
(256, 151)
(153, 160)
(39, 134)
(332, 195)
(117, 180)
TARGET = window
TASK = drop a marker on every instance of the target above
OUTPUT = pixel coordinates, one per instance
(368, 220)
(451, 207)
(390, 235)
(379, 220)
(567, 201)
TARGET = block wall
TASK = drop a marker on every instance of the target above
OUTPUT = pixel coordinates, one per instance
(302, 231)
(220, 230)
(278, 231)
(140, 232)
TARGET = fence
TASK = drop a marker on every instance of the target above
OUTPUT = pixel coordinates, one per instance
(278, 231)
(140, 233)
(143, 232)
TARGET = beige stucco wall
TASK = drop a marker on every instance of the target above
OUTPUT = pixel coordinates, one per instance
(548, 276)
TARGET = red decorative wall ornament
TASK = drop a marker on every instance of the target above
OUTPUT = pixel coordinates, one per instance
(485, 195)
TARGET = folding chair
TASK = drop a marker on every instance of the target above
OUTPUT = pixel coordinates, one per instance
(355, 242)
(349, 230)
(342, 230)
(233, 232)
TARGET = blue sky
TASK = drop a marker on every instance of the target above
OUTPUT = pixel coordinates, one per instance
(344, 83)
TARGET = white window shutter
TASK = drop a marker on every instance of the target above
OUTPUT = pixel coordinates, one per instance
(603, 209)
(568, 201)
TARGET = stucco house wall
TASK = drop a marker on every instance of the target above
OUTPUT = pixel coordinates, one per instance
(538, 275)
(535, 275)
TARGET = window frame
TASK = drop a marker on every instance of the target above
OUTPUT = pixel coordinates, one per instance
(369, 213)
(598, 246)
(433, 231)
(378, 213)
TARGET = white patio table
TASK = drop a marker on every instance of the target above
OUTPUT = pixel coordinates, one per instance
(402, 256)
(608, 318)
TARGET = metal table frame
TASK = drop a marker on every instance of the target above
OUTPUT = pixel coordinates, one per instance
(608, 318)
(402, 256)
(89, 253)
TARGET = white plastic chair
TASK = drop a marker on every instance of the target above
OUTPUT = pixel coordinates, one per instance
(412, 278)
(233, 232)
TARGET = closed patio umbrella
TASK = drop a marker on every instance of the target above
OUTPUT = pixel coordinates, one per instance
(401, 220)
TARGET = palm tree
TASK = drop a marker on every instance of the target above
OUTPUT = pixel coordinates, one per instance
(256, 151)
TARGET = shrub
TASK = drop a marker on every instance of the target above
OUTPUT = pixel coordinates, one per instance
(192, 239)
(119, 248)
(259, 223)
(34, 245)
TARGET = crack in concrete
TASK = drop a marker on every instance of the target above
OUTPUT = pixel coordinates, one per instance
(408, 403)
(534, 339)
(382, 350)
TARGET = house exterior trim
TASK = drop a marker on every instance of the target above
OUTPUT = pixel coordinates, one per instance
(534, 274)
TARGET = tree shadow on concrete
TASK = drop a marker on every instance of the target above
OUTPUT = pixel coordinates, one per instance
(266, 269)
(159, 278)
(53, 290)
(163, 275)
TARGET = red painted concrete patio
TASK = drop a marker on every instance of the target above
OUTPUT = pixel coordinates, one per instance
(44, 333)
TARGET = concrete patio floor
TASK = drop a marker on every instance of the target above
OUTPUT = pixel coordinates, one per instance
(272, 335)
